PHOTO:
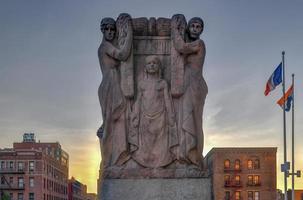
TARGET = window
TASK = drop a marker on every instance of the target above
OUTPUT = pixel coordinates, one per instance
(20, 196)
(20, 166)
(31, 166)
(249, 180)
(249, 164)
(31, 196)
(11, 164)
(20, 182)
(11, 180)
(227, 195)
(31, 182)
(11, 196)
(257, 164)
(257, 195)
(226, 164)
(237, 180)
(256, 180)
(227, 179)
(237, 164)
(237, 195)
(250, 195)
(2, 165)
(2, 180)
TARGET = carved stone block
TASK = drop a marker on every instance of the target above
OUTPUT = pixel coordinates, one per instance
(156, 189)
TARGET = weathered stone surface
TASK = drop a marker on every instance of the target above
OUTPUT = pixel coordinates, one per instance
(147, 173)
(177, 59)
(152, 97)
(151, 27)
(127, 65)
(152, 45)
(152, 134)
(140, 26)
(113, 99)
(189, 106)
(155, 189)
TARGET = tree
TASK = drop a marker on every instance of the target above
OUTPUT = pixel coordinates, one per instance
(5, 196)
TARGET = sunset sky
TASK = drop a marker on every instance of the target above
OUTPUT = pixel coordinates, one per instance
(49, 72)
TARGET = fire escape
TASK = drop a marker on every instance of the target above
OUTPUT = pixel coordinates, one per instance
(5, 184)
(233, 183)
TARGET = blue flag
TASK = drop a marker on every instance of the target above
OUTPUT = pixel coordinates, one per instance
(274, 80)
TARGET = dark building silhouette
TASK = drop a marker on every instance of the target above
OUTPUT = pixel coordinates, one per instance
(78, 191)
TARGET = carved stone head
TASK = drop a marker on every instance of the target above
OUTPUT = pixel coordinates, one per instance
(195, 28)
(108, 28)
(153, 65)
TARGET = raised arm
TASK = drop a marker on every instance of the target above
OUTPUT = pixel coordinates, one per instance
(123, 52)
(180, 45)
(185, 48)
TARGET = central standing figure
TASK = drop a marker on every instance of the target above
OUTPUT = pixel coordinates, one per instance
(153, 136)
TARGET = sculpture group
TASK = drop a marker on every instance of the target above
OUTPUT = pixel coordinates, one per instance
(151, 103)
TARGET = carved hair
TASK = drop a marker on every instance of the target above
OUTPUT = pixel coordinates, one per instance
(106, 21)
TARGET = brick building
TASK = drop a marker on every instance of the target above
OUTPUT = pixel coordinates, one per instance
(34, 171)
(76, 190)
(242, 173)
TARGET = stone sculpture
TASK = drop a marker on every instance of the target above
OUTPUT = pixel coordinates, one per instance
(176, 58)
(154, 128)
(124, 28)
(152, 96)
(113, 101)
(189, 106)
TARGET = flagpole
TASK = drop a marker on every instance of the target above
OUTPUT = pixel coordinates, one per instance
(293, 141)
(284, 128)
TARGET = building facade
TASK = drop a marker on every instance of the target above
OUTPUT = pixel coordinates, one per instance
(34, 171)
(242, 173)
(78, 191)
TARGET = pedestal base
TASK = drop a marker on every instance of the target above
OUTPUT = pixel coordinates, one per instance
(155, 189)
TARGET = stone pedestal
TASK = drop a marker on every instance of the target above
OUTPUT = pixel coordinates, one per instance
(155, 189)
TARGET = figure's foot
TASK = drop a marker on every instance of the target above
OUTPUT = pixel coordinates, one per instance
(100, 131)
